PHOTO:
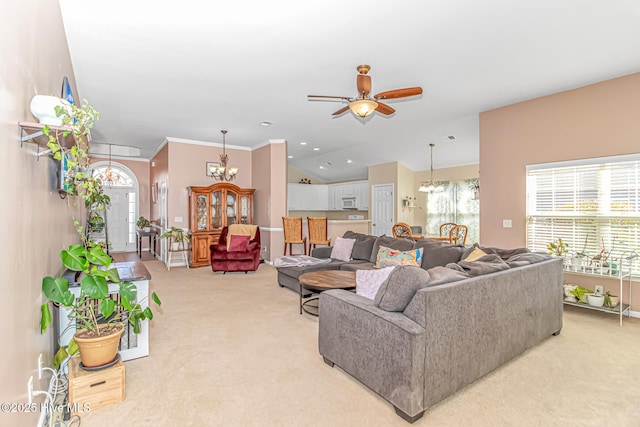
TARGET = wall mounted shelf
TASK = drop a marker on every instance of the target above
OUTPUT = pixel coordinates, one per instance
(32, 132)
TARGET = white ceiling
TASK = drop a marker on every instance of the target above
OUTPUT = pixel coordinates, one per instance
(187, 69)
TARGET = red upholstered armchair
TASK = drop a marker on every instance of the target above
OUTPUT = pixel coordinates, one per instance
(237, 250)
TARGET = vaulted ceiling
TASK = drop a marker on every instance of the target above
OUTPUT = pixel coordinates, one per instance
(188, 69)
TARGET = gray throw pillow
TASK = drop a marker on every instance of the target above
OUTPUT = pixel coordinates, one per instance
(438, 253)
(398, 290)
(363, 246)
(390, 242)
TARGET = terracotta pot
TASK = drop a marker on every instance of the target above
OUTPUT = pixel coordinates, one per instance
(99, 350)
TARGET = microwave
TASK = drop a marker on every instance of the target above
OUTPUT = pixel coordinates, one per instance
(349, 203)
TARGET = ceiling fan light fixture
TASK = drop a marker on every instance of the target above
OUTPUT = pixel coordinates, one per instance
(363, 107)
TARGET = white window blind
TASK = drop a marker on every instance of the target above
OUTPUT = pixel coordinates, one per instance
(592, 207)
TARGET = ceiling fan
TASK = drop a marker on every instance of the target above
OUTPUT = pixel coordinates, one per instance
(364, 104)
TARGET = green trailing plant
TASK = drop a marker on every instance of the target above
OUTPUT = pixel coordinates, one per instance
(143, 222)
(558, 247)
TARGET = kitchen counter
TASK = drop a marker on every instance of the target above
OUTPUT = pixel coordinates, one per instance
(337, 227)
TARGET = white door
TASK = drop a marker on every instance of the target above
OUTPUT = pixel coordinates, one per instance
(382, 205)
(120, 217)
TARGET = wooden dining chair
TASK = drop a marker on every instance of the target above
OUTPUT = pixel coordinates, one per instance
(317, 232)
(458, 235)
(445, 229)
(293, 233)
(401, 229)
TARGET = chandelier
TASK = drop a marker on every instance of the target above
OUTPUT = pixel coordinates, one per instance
(430, 187)
(109, 177)
(223, 172)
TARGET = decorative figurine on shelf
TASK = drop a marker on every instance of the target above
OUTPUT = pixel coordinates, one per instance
(305, 181)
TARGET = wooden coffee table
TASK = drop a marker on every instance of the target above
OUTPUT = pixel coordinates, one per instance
(320, 281)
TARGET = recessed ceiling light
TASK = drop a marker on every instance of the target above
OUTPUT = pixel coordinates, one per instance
(349, 161)
(321, 167)
(316, 149)
(303, 143)
(266, 123)
(290, 157)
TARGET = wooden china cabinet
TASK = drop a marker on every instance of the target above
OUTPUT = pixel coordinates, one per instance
(212, 208)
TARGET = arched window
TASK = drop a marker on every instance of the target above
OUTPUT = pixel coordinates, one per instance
(113, 176)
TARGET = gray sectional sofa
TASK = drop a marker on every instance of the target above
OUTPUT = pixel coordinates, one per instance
(433, 330)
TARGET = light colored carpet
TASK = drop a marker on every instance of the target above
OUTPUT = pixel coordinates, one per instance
(232, 350)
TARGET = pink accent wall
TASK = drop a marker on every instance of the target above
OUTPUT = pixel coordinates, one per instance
(598, 120)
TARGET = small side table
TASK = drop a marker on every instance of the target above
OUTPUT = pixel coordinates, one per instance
(150, 234)
(323, 280)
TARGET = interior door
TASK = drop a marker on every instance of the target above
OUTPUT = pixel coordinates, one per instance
(382, 209)
(120, 216)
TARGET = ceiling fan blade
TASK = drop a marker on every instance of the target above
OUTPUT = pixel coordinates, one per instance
(328, 96)
(399, 93)
(364, 84)
(384, 109)
(340, 111)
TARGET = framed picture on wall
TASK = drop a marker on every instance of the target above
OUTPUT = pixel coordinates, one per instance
(154, 192)
(210, 166)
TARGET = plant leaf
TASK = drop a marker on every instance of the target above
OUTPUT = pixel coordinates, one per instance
(107, 307)
(74, 258)
(45, 317)
(128, 290)
(95, 287)
(148, 313)
(156, 298)
(99, 257)
(59, 357)
(57, 290)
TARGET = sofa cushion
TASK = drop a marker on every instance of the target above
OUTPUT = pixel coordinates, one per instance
(502, 253)
(357, 264)
(437, 253)
(363, 246)
(390, 242)
(342, 249)
(390, 257)
(396, 292)
(369, 281)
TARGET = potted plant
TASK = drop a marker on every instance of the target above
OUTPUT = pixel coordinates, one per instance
(144, 224)
(178, 236)
(581, 293)
(93, 312)
(611, 301)
(97, 317)
(557, 247)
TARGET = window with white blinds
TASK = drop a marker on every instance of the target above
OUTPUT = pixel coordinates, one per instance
(594, 207)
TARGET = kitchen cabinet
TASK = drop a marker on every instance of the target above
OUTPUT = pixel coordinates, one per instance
(308, 197)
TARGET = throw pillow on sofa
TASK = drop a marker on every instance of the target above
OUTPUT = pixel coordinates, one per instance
(474, 255)
(363, 246)
(342, 249)
(368, 282)
(391, 257)
(398, 290)
(438, 253)
(390, 242)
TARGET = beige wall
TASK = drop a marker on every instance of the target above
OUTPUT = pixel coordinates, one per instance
(159, 172)
(187, 167)
(36, 223)
(593, 121)
(270, 182)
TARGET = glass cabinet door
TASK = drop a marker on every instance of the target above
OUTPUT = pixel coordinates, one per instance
(244, 210)
(201, 208)
(216, 209)
(231, 208)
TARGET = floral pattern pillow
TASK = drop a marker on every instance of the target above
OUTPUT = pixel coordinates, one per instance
(388, 257)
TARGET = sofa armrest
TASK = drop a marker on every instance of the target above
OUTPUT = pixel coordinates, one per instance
(323, 252)
(253, 246)
(218, 247)
(384, 350)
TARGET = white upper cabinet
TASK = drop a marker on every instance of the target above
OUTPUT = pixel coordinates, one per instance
(319, 197)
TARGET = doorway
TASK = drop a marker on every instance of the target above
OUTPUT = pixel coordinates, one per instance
(123, 209)
(382, 209)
